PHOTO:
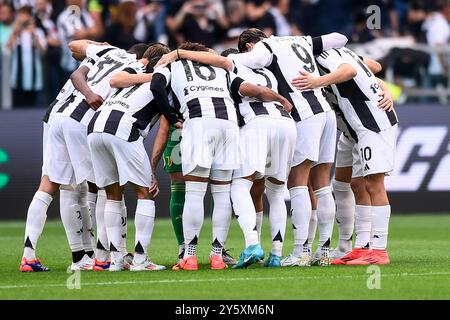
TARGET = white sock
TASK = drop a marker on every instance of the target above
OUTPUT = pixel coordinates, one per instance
(144, 221)
(326, 211)
(36, 216)
(345, 213)
(301, 214)
(221, 216)
(380, 226)
(312, 228)
(92, 203)
(193, 215)
(244, 209)
(88, 231)
(102, 251)
(113, 223)
(123, 242)
(259, 222)
(277, 215)
(71, 217)
(363, 225)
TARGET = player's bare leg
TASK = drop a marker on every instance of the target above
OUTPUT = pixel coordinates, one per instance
(345, 210)
(300, 214)
(36, 217)
(326, 211)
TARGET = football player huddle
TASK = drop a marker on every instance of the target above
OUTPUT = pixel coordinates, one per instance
(246, 122)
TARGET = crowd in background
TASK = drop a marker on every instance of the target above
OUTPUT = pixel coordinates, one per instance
(35, 61)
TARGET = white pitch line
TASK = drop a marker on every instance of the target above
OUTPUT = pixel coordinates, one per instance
(112, 283)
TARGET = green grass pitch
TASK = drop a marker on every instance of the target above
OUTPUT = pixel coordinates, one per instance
(419, 249)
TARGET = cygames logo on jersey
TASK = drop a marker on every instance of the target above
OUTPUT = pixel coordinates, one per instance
(4, 178)
(189, 89)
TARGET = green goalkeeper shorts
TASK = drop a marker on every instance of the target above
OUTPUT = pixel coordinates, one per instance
(172, 153)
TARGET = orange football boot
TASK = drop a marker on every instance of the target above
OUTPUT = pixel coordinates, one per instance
(374, 256)
(101, 265)
(217, 263)
(190, 264)
(352, 255)
(32, 266)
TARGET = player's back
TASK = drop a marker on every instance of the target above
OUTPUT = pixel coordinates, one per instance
(202, 91)
(109, 64)
(358, 98)
(110, 61)
(127, 113)
(290, 55)
(250, 108)
(66, 91)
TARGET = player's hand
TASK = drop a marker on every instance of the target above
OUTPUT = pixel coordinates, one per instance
(167, 59)
(287, 106)
(179, 125)
(94, 100)
(154, 189)
(386, 102)
(305, 81)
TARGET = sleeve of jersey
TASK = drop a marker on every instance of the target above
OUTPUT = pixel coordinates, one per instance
(329, 61)
(259, 57)
(327, 42)
(158, 88)
(236, 83)
(87, 62)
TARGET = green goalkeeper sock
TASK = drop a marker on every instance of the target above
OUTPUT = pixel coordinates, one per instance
(177, 191)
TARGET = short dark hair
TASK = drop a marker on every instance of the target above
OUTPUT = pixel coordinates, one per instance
(227, 52)
(193, 46)
(155, 50)
(138, 49)
(25, 10)
(251, 35)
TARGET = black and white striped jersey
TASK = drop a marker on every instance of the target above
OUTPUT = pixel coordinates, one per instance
(341, 122)
(128, 113)
(67, 90)
(250, 108)
(357, 98)
(201, 91)
(110, 61)
(285, 57)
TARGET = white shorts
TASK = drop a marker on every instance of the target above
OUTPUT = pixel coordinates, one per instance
(209, 143)
(375, 151)
(347, 155)
(116, 160)
(316, 139)
(67, 158)
(266, 146)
